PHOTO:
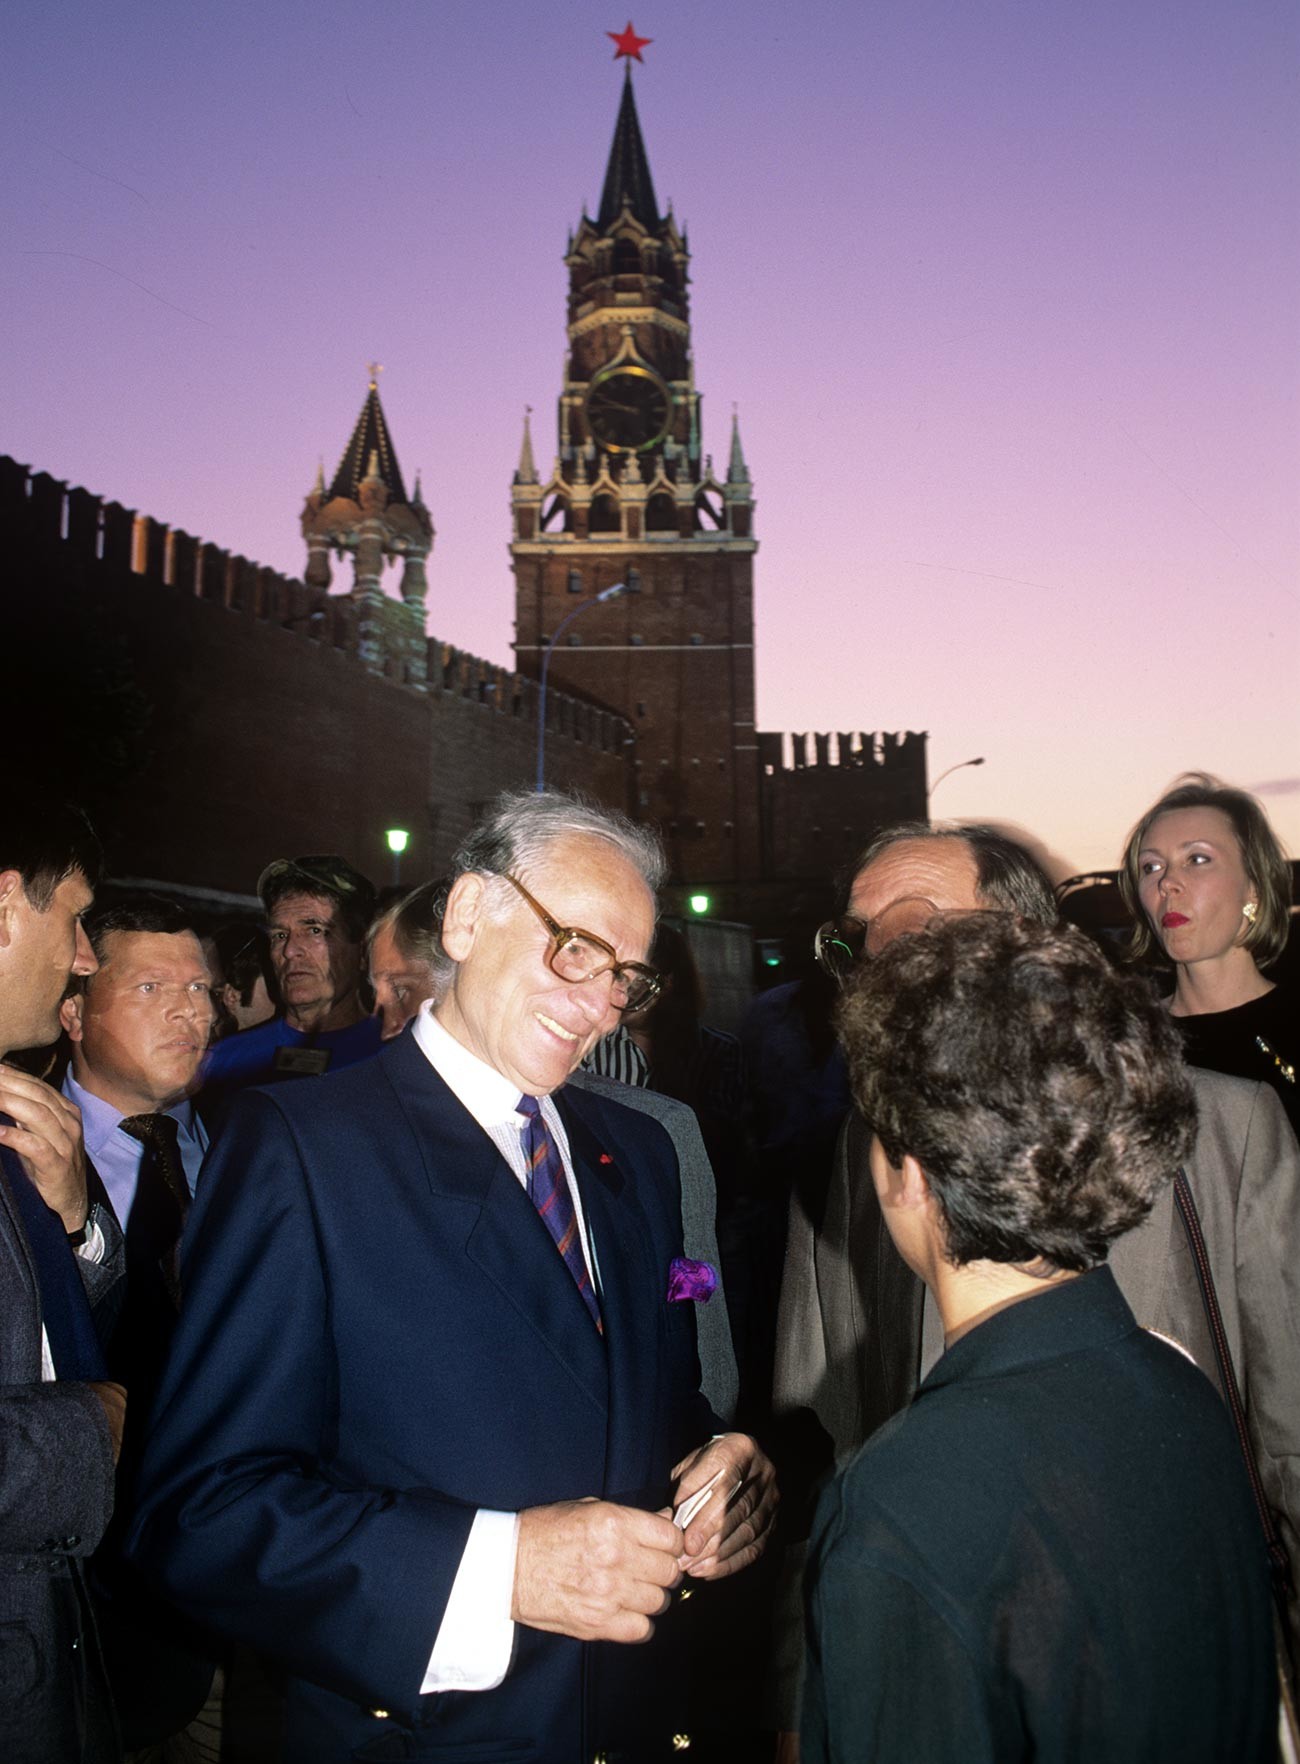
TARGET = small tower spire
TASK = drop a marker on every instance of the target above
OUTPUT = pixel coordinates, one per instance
(370, 441)
(737, 470)
(527, 472)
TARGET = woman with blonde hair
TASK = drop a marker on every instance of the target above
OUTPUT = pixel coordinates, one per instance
(1208, 886)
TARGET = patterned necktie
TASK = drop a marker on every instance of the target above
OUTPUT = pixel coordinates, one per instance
(548, 1189)
(162, 1197)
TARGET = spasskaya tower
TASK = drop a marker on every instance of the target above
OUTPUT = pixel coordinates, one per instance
(633, 498)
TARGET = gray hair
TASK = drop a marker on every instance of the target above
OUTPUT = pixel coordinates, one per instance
(416, 924)
(1006, 876)
(522, 825)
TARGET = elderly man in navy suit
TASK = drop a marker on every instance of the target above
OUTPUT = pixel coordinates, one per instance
(431, 1434)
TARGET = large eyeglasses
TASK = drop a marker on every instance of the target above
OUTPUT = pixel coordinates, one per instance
(579, 955)
(841, 943)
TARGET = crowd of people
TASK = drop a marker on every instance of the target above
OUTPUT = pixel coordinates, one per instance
(412, 1304)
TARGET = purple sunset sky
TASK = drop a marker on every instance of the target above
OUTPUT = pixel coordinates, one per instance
(1006, 292)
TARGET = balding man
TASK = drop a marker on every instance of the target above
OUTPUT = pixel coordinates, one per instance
(433, 1400)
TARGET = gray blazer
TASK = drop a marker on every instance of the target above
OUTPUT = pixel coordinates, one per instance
(719, 1379)
(849, 1324)
(56, 1495)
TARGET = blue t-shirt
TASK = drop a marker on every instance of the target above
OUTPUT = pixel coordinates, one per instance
(273, 1051)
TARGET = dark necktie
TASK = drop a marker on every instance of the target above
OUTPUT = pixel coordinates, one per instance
(548, 1189)
(162, 1198)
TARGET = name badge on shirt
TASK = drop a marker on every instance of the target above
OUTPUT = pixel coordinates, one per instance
(301, 1062)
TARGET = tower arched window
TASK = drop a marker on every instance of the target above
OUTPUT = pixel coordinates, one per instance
(604, 515)
(627, 257)
(661, 513)
(557, 516)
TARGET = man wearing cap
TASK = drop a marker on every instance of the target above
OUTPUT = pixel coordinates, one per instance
(317, 911)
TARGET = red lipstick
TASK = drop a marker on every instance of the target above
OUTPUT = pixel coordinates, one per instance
(1170, 920)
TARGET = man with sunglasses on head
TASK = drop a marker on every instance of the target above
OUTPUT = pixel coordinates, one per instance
(432, 1436)
(857, 1331)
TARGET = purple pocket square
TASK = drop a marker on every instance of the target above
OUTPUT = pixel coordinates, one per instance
(691, 1280)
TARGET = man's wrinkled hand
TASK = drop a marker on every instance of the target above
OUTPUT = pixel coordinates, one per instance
(594, 1571)
(731, 1529)
(47, 1137)
(113, 1401)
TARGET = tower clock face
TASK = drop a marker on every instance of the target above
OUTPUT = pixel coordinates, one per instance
(628, 409)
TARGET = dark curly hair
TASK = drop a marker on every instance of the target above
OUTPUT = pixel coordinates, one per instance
(1043, 1094)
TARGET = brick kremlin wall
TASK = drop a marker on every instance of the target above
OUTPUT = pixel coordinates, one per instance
(213, 713)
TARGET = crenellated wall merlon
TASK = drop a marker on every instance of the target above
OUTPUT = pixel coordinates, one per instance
(786, 752)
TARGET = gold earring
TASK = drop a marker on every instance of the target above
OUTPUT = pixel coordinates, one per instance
(1249, 911)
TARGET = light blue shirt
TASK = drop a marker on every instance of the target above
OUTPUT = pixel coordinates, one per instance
(116, 1155)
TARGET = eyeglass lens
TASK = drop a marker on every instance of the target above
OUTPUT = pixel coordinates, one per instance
(575, 959)
(842, 942)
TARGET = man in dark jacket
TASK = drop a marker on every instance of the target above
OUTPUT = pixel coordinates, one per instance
(60, 1420)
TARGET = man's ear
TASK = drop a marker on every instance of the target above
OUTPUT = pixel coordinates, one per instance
(70, 1015)
(898, 1185)
(11, 893)
(463, 915)
(914, 1184)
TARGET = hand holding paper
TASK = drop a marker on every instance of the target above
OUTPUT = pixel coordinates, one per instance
(724, 1501)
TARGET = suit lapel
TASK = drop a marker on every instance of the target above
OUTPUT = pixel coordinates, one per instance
(14, 1236)
(507, 1241)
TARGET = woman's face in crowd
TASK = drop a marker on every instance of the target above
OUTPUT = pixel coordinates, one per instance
(1193, 884)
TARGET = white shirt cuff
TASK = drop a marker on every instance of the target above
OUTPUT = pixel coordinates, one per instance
(476, 1635)
(91, 1249)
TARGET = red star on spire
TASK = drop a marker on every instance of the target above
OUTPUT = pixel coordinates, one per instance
(627, 43)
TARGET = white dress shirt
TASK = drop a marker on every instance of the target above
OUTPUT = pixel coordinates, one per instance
(475, 1638)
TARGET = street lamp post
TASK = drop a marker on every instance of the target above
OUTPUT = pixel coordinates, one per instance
(397, 838)
(961, 764)
(632, 585)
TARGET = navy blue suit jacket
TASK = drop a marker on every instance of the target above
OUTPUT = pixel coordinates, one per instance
(377, 1338)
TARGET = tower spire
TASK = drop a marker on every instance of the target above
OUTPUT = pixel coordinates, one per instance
(627, 177)
(369, 437)
(737, 470)
(527, 472)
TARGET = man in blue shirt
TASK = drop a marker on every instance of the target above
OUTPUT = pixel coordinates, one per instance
(139, 1028)
(318, 910)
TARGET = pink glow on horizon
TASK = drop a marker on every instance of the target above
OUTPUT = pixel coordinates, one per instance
(1007, 296)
